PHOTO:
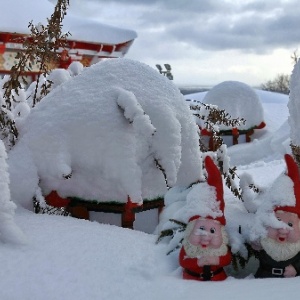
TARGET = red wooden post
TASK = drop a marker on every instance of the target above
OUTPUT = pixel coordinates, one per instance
(235, 136)
(128, 215)
(79, 212)
(248, 135)
(2, 48)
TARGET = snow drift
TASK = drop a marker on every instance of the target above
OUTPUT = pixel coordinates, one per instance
(238, 100)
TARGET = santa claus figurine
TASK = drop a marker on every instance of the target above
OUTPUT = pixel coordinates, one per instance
(279, 252)
(205, 249)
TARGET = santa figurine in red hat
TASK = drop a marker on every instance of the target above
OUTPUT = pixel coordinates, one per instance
(279, 251)
(205, 249)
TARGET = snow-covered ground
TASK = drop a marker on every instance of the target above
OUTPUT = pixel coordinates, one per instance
(66, 258)
(75, 260)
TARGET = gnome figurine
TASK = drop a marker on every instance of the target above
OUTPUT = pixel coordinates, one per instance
(205, 249)
(279, 252)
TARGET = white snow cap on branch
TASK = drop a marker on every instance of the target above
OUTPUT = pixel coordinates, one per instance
(134, 113)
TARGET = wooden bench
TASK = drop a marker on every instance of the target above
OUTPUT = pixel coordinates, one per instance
(79, 208)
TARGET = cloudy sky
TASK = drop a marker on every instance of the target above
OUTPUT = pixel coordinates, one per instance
(206, 41)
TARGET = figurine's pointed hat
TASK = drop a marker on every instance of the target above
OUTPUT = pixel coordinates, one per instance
(293, 174)
(214, 179)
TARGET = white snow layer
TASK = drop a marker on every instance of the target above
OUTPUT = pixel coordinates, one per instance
(239, 100)
(39, 10)
(9, 231)
(106, 128)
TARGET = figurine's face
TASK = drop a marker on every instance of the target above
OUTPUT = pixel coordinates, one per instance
(290, 234)
(206, 233)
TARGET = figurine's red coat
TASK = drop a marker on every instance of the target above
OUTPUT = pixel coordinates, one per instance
(191, 265)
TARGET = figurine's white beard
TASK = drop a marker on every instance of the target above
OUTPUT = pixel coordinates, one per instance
(280, 251)
(193, 251)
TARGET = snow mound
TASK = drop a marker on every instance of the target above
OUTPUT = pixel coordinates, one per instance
(101, 135)
(293, 105)
(9, 231)
(239, 100)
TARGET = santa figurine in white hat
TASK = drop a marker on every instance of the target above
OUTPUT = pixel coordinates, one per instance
(205, 249)
(279, 251)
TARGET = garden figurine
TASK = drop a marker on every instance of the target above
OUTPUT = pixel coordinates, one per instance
(205, 249)
(279, 252)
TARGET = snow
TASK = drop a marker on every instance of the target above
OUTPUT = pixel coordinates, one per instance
(9, 231)
(131, 127)
(239, 100)
(293, 107)
(67, 258)
(82, 30)
(206, 205)
(97, 261)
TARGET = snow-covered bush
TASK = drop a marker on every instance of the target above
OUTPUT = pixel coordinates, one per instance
(239, 101)
(210, 118)
(41, 48)
(36, 89)
(9, 231)
(16, 107)
(119, 129)
(9, 132)
(294, 118)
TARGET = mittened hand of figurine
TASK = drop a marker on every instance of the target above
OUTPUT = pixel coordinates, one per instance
(208, 261)
(289, 271)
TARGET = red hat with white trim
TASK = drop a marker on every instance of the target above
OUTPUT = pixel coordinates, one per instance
(214, 179)
(293, 174)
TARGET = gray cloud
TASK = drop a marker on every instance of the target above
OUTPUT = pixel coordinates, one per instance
(171, 28)
(256, 26)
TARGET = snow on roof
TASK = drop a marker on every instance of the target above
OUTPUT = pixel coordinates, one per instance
(15, 16)
(106, 127)
(91, 31)
(239, 100)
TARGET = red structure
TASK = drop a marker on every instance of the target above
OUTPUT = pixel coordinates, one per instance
(89, 40)
(234, 133)
(85, 52)
(239, 101)
(79, 208)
